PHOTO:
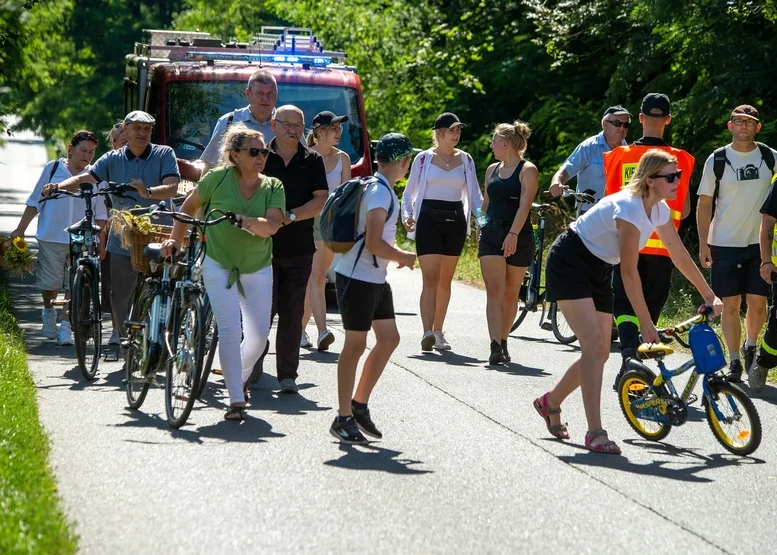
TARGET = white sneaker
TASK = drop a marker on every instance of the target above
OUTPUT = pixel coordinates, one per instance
(440, 343)
(49, 318)
(428, 340)
(325, 339)
(305, 341)
(115, 337)
(64, 336)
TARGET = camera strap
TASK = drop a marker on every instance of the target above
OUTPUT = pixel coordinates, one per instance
(719, 161)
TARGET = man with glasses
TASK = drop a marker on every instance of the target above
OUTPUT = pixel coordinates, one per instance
(736, 182)
(654, 266)
(262, 94)
(303, 175)
(587, 160)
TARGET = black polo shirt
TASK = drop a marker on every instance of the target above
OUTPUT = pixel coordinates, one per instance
(304, 174)
(650, 141)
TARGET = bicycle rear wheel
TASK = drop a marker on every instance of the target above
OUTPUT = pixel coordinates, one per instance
(138, 359)
(187, 340)
(735, 424)
(561, 329)
(86, 321)
(634, 385)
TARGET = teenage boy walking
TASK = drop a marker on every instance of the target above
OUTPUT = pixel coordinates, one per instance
(366, 298)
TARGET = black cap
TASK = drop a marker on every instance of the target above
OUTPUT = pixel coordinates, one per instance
(393, 147)
(447, 120)
(656, 105)
(616, 110)
(327, 118)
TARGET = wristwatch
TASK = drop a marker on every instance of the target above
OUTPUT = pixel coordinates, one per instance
(292, 216)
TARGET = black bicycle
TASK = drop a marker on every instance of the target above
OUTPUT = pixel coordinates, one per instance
(85, 311)
(167, 323)
(532, 296)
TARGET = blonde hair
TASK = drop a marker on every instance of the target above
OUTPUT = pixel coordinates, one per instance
(516, 134)
(649, 165)
(236, 139)
(312, 139)
(115, 131)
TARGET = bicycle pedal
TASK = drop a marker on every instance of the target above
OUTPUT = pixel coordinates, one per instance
(135, 325)
(692, 399)
(547, 326)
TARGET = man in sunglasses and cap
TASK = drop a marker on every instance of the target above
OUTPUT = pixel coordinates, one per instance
(587, 160)
(152, 171)
(654, 267)
(736, 182)
(366, 299)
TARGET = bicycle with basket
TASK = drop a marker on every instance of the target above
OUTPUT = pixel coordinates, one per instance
(652, 405)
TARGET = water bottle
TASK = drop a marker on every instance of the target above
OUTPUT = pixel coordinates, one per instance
(480, 218)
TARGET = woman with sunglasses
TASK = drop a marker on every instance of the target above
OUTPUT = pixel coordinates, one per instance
(578, 276)
(323, 138)
(237, 268)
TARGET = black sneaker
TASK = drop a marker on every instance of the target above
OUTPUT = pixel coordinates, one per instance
(348, 432)
(504, 351)
(735, 371)
(748, 353)
(497, 356)
(365, 423)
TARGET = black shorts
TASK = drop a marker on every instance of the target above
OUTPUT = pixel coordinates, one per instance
(573, 272)
(441, 228)
(363, 302)
(492, 237)
(735, 270)
(655, 273)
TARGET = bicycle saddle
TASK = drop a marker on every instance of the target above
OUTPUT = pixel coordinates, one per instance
(78, 227)
(153, 251)
(653, 350)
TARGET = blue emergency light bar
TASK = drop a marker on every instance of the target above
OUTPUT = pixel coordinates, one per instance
(288, 59)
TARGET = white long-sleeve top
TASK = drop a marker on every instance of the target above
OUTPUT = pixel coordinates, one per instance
(471, 196)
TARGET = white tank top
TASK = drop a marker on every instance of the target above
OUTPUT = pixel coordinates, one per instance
(445, 185)
(334, 178)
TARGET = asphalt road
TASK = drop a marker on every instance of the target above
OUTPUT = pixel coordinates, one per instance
(465, 466)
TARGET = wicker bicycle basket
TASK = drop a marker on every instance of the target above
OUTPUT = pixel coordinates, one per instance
(138, 241)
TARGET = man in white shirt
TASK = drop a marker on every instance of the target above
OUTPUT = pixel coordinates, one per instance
(262, 94)
(366, 299)
(736, 182)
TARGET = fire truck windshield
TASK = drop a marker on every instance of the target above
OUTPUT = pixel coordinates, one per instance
(193, 107)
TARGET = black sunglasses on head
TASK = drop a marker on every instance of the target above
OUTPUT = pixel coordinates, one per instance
(254, 152)
(670, 177)
(618, 123)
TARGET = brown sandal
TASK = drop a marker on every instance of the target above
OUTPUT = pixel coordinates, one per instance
(541, 405)
(235, 413)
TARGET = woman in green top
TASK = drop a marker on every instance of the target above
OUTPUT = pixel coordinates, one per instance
(237, 269)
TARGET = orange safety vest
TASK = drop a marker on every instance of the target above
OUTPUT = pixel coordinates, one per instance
(620, 164)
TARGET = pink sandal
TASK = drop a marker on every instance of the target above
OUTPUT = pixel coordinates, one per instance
(559, 431)
(608, 447)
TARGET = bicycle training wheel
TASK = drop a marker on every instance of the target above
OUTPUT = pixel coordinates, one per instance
(561, 329)
(634, 385)
(86, 321)
(138, 359)
(187, 339)
(735, 424)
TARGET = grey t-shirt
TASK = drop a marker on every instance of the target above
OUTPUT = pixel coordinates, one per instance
(121, 166)
(241, 115)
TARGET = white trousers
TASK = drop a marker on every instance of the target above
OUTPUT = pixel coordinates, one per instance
(228, 305)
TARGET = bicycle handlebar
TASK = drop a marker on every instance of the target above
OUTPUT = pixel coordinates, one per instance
(159, 210)
(117, 189)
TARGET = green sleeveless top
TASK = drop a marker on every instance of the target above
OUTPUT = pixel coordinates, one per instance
(238, 251)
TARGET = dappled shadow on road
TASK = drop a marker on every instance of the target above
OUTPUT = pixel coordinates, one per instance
(284, 403)
(768, 395)
(372, 457)
(694, 463)
(517, 369)
(321, 357)
(105, 382)
(550, 341)
(448, 357)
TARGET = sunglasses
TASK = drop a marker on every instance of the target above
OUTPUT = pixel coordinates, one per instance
(618, 123)
(254, 152)
(670, 177)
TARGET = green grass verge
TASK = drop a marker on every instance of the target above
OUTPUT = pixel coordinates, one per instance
(31, 520)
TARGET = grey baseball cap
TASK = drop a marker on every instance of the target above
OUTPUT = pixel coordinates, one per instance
(139, 116)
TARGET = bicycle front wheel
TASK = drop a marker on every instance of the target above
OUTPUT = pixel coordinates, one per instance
(187, 339)
(732, 418)
(138, 358)
(86, 321)
(561, 329)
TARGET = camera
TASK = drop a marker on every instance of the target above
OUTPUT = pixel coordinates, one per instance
(748, 173)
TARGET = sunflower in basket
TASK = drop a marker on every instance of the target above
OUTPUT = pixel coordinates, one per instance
(17, 257)
(123, 223)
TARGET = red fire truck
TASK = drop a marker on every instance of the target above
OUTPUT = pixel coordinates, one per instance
(187, 80)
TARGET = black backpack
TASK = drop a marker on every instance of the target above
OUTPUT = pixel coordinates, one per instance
(719, 161)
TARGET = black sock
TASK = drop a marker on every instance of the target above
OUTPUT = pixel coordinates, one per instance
(358, 405)
(341, 419)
